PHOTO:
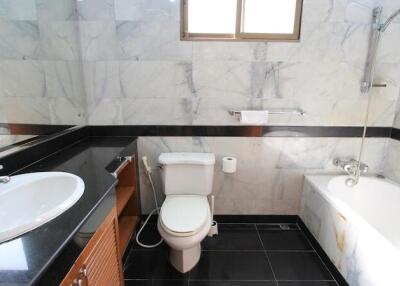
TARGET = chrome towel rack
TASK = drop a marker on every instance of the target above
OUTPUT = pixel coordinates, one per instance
(274, 112)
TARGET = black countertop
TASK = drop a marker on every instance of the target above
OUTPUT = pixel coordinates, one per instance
(26, 259)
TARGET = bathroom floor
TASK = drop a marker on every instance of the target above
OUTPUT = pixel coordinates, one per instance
(242, 254)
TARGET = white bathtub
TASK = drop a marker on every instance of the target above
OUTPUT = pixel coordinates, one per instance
(357, 227)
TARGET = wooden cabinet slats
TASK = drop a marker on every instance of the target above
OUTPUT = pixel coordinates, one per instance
(100, 262)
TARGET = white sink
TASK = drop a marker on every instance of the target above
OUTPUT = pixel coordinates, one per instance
(30, 200)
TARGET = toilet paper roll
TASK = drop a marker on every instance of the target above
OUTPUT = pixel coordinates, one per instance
(229, 165)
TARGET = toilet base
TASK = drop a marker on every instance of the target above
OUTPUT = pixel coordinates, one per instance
(185, 260)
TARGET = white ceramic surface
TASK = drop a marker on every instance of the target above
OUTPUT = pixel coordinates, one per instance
(30, 200)
(356, 227)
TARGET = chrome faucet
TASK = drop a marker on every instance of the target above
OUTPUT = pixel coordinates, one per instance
(4, 179)
(350, 166)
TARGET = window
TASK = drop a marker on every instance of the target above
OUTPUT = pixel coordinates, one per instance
(276, 20)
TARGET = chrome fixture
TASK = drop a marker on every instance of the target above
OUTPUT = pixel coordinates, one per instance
(368, 82)
(377, 29)
(351, 166)
(274, 112)
(125, 160)
(5, 179)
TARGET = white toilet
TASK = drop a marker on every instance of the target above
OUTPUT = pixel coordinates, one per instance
(185, 216)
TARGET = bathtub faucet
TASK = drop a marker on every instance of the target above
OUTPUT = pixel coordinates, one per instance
(350, 166)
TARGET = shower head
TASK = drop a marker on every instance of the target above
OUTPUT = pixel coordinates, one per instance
(383, 26)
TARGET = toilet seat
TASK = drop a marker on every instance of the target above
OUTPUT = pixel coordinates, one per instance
(184, 215)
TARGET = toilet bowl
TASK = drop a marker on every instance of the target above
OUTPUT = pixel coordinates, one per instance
(184, 222)
(185, 216)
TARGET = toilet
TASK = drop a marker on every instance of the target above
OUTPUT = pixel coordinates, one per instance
(185, 216)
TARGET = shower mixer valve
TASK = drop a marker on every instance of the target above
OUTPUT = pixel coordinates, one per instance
(350, 166)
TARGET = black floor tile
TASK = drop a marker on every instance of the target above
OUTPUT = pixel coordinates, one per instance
(227, 265)
(278, 226)
(149, 235)
(307, 283)
(298, 266)
(234, 237)
(232, 283)
(152, 264)
(283, 239)
(156, 283)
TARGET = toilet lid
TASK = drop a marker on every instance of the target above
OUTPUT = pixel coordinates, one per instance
(184, 213)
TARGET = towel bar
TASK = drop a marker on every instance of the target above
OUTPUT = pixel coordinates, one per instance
(289, 111)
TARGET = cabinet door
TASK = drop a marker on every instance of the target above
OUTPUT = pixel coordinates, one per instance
(100, 262)
(103, 264)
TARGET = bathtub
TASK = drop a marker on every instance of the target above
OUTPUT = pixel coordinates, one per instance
(358, 227)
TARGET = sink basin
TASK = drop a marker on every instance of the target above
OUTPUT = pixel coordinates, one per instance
(30, 200)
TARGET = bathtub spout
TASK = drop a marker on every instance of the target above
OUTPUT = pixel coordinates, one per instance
(351, 167)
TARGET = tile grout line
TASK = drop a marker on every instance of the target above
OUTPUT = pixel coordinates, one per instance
(266, 254)
(312, 246)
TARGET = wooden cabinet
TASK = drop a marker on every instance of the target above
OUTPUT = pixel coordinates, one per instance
(127, 202)
(100, 262)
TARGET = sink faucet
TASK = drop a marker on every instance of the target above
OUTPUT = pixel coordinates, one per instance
(4, 179)
(350, 166)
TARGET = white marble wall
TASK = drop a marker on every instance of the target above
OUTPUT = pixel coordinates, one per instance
(132, 50)
(270, 170)
(40, 71)
(392, 160)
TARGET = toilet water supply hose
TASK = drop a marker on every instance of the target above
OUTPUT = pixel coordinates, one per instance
(157, 209)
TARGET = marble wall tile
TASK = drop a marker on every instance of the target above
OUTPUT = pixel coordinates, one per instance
(324, 10)
(65, 111)
(40, 69)
(22, 79)
(96, 10)
(392, 159)
(24, 10)
(59, 40)
(102, 80)
(151, 111)
(155, 79)
(320, 74)
(136, 10)
(216, 78)
(31, 110)
(98, 40)
(230, 51)
(152, 40)
(19, 40)
(64, 80)
(269, 178)
(60, 10)
(107, 111)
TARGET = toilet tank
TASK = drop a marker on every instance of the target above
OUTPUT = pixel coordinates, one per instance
(187, 173)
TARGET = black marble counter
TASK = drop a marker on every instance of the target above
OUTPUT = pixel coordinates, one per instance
(44, 255)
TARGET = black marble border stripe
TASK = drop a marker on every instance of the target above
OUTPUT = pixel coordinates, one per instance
(239, 131)
(395, 134)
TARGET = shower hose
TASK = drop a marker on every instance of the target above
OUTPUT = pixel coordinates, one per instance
(157, 209)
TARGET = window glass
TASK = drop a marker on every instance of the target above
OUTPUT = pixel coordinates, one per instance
(269, 16)
(212, 16)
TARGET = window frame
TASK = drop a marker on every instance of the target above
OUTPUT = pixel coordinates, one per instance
(239, 35)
